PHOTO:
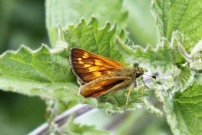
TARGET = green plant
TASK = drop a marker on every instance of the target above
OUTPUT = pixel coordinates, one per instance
(175, 55)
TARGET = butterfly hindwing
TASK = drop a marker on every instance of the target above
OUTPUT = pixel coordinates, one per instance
(103, 86)
(88, 66)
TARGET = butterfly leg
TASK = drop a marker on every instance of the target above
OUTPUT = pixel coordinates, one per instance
(109, 95)
(129, 92)
(144, 85)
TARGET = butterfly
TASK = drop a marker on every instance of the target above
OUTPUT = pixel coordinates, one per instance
(98, 75)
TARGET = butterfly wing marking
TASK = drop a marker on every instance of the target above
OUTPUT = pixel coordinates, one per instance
(88, 66)
(102, 86)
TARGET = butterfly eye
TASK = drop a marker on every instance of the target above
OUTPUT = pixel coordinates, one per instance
(138, 74)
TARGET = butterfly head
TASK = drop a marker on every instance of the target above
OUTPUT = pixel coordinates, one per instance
(139, 72)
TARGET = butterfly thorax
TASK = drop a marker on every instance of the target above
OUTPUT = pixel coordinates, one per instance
(132, 73)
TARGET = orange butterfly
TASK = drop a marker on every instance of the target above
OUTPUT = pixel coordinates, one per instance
(98, 75)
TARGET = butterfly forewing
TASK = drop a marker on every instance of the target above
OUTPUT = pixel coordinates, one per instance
(88, 66)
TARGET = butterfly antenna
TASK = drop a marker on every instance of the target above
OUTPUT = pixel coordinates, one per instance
(153, 76)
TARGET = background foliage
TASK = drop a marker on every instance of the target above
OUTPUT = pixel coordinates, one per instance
(22, 22)
(167, 44)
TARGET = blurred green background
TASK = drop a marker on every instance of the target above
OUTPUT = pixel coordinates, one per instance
(21, 22)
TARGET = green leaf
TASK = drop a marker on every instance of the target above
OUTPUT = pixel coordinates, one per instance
(93, 38)
(196, 56)
(66, 12)
(194, 60)
(160, 9)
(184, 16)
(165, 54)
(198, 78)
(184, 111)
(44, 72)
(184, 79)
